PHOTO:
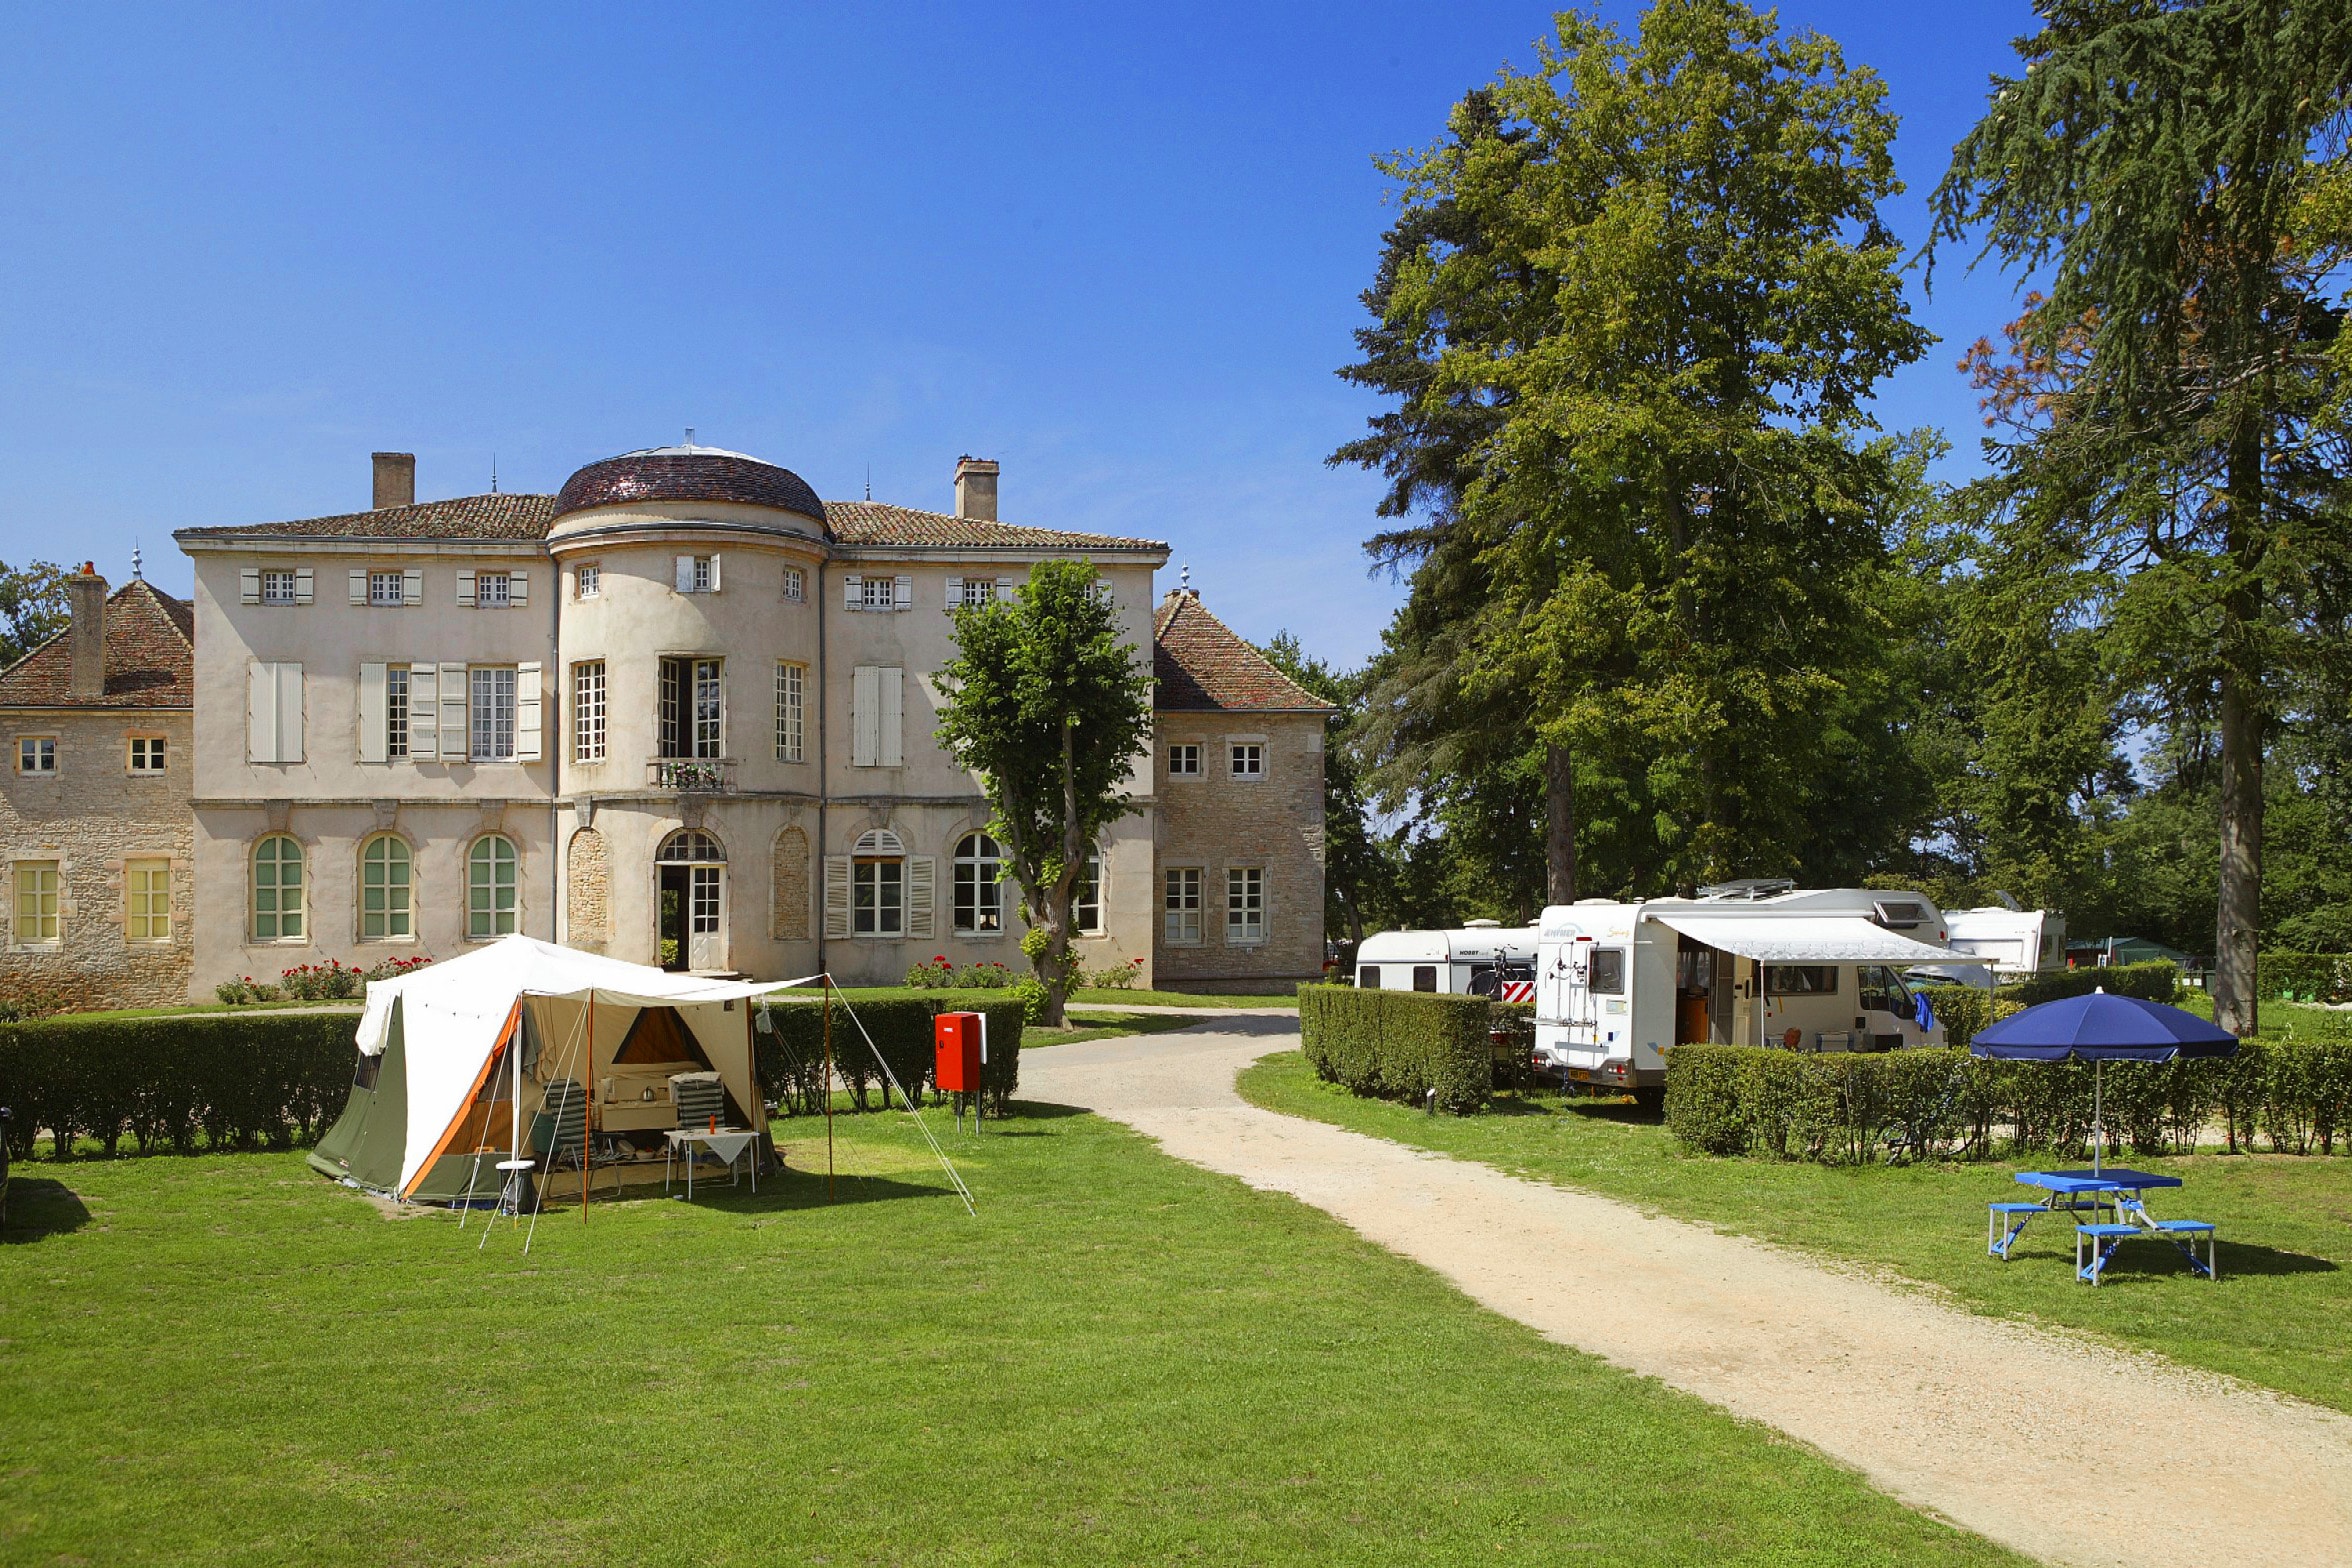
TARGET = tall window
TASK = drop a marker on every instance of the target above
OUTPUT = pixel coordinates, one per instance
(491, 712)
(386, 588)
(795, 584)
(277, 890)
(710, 710)
(692, 719)
(877, 886)
(277, 587)
(588, 580)
(588, 711)
(147, 901)
(978, 896)
(1249, 759)
(146, 754)
(877, 716)
(395, 711)
(790, 678)
(385, 889)
(36, 754)
(1086, 901)
(1180, 912)
(36, 902)
(491, 887)
(1245, 904)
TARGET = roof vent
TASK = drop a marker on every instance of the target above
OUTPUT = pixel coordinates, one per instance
(395, 479)
(975, 488)
(1749, 888)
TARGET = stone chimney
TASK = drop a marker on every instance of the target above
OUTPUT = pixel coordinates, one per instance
(395, 479)
(85, 638)
(976, 488)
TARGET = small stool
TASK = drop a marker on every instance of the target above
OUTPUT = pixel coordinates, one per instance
(2104, 1239)
(2011, 1215)
(2183, 1234)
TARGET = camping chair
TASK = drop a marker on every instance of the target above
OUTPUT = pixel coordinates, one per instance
(560, 1129)
(699, 1098)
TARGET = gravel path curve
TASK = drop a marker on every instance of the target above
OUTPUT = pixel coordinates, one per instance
(1950, 1412)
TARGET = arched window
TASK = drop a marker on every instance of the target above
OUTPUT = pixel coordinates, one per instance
(277, 890)
(690, 847)
(1086, 900)
(979, 899)
(491, 887)
(877, 872)
(385, 889)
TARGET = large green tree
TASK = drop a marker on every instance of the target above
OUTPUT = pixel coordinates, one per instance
(2165, 164)
(1633, 310)
(1053, 711)
(32, 608)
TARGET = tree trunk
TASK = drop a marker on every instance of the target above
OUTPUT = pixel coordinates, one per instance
(1559, 825)
(2238, 919)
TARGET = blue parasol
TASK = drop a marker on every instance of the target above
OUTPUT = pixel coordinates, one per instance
(2098, 1029)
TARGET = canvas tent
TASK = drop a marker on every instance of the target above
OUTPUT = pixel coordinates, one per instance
(432, 1102)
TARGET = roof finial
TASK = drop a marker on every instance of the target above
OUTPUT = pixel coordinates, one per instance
(494, 473)
(138, 572)
(1185, 584)
(869, 481)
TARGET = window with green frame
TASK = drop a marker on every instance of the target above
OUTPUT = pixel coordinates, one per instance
(385, 901)
(491, 887)
(277, 890)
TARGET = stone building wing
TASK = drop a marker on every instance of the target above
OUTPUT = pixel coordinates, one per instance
(881, 526)
(150, 650)
(1202, 665)
(500, 517)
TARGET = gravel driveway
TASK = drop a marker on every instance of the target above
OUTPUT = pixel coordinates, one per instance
(1951, 1412)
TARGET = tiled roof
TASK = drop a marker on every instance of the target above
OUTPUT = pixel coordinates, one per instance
(1200, 663)
(673, 474)
(150, 657)
(461, 517)
(875, 523)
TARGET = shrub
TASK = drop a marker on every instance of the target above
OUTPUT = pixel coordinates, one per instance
(240, 1082)
(1116, 977)
(1961, 1009)
(327, 982)
(1400, 1045)
(791, 1053)
(2303, 977)
(940, 975)
(2158, 981)
(29, 1002)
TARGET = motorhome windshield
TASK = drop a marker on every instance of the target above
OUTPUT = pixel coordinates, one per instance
(1881, 990)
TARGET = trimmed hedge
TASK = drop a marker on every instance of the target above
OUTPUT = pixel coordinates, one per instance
(792, 1057)
(2303, 977)
(1963, 1010)
(2157, 981)
(225, 1080)
(1400, 1045)
(1850, 1108)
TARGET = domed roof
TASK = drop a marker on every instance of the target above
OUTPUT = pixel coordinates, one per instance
(688, 473)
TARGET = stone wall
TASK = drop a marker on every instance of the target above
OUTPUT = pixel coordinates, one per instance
(1216, 822)
(90, 817)
(587, 891)
(791, 886)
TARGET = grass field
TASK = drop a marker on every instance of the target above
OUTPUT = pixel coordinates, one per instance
(226, 1359)
(2277, 1317)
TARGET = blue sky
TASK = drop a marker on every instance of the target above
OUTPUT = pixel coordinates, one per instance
(1119, 249)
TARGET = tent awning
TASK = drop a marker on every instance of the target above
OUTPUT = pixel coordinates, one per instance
(1810, 939)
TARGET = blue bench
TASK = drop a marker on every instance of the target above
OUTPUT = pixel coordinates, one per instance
(2004, 1223)
(2104, 1239)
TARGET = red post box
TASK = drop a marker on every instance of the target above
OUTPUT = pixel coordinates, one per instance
(957, 1039)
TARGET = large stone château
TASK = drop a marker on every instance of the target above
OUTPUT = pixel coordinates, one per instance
(681, 712)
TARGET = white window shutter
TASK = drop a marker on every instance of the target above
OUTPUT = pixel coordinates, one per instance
(304, 582)
(836, 896)
(922, 896)
(903, 594)
(456, 738)
(714, 572)
(465, 587)
(685, 570)
(371, 713)
(518, 589)
(527, 706)
(955, 593)
(412, 586)
(359, 585)
(890, 688)
(424, 712)
(289, 714)
(853, 590)
(864, 743)
(249, 585)
(261, 713)
(1004, 587)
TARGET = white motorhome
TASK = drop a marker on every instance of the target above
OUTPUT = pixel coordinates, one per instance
(1484, 958)
(2007, 940)
(1747, 963)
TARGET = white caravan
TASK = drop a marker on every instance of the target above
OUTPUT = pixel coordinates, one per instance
(1484, 958)
(1748, 963)
(2007, 940)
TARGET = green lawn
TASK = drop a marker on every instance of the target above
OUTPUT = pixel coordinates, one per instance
(1114, 997)
(224, 1358)
(1096, 1025)
(2277, 1317)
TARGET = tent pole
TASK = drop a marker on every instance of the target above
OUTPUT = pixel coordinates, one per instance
(828, 1088)
(587, 1088)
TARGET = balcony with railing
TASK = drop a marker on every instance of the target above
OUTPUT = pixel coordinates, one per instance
(692, 775)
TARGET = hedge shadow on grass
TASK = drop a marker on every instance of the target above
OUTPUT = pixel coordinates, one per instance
(39, 1207)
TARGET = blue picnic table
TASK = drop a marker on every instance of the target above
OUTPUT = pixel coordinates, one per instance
(2118, 1190)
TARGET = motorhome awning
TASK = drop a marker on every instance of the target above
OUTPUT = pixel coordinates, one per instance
(1810, 939)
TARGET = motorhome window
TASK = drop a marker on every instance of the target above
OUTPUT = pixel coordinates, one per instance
(1800, 979)
(1901, 916)
(1694, 969)
(1425, 977)
(1482, 980)
(1880, 990)
(1608, 972)
(1368, 977)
